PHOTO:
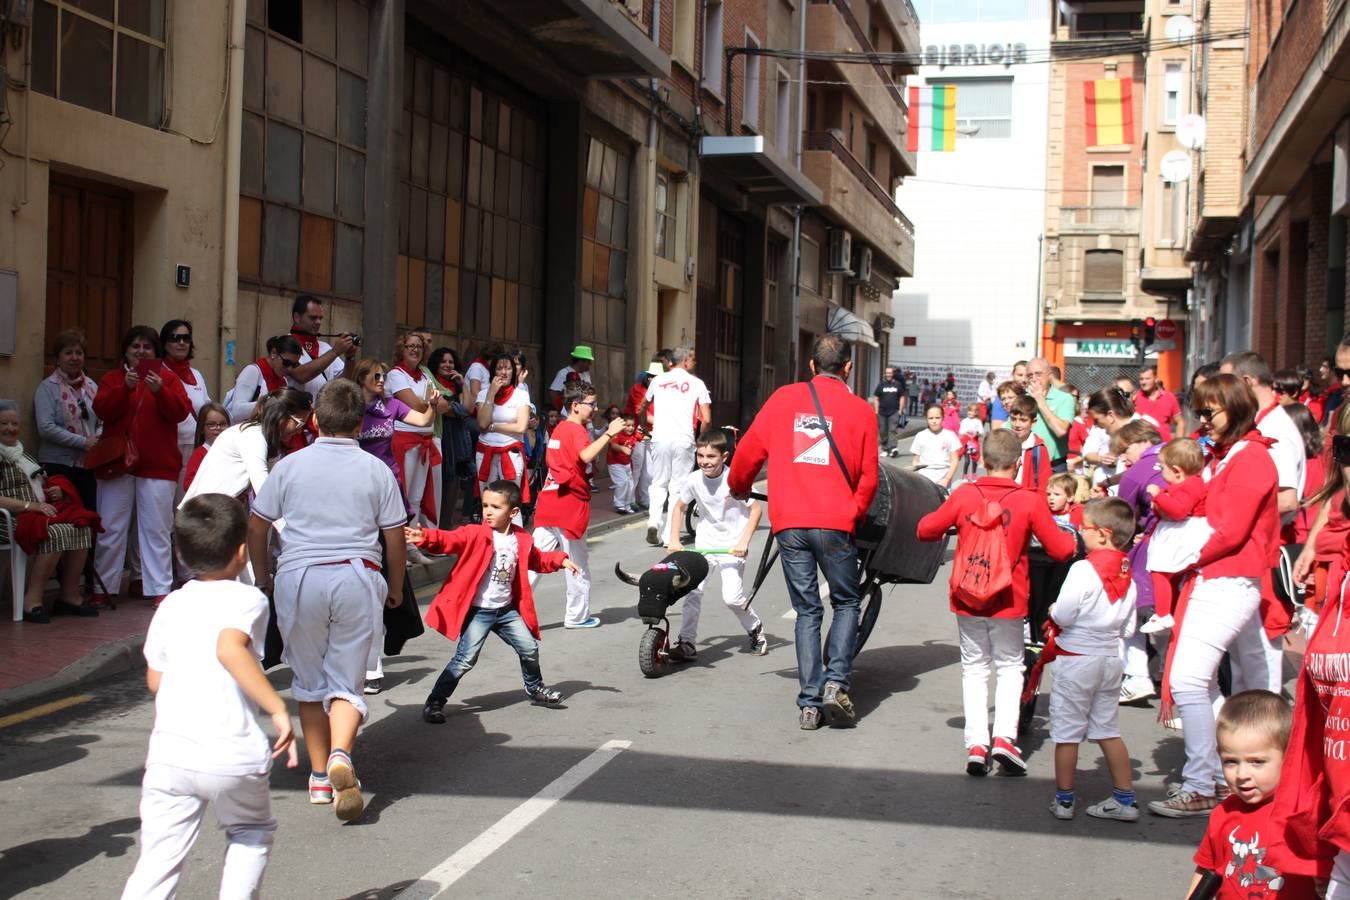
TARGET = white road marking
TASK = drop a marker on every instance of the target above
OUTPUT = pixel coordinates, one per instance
(441, 878)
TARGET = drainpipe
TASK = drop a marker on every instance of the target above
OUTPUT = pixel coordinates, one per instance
(796, 306)
(229, 268)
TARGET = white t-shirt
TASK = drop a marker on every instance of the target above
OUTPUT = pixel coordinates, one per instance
(972, 425)
(1090, 624)
(721, 517)
(398, 380)
(336, 498)
(236, 462)
(985, 391)
(676, 395)
(1097, 442)
(504, 413)
(494, 591)
(934, 452)
(332, 373)
(198, 396)
(204, 721)
(561, 378)
(479, 373)
(1288, 452)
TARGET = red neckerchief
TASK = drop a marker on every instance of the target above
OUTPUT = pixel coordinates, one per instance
(414, 374)
(504, 394)
(308, 342)
(182, 369)
(1267, 411)
(1253, 436)
(270, 378)
(1113, 568)
(448, 385)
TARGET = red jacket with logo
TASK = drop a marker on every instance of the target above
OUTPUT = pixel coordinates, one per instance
(807, 489)
(148, 419)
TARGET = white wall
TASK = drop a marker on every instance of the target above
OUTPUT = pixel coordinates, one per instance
(978, 213)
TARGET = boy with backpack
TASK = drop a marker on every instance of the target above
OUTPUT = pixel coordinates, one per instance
(990, 585)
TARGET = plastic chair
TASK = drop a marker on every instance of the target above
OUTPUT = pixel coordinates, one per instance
(18, 563)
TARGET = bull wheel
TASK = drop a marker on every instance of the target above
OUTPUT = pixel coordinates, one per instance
(867, 619)
(654, 653)
(690, 522)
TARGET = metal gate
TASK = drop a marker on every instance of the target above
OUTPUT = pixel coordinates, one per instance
(1089, 375)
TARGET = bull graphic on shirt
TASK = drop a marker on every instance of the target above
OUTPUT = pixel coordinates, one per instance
(1247, 868)
(809, 443)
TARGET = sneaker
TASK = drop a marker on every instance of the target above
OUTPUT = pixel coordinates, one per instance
(347, 799)
(1065, 810)
(592, 622)
(1009, 758)
(759, 644)
(838, 708)
(320, 791)
(434, 712)
(682, 651)
(977, 760)
(652, 538)
(1111, 808)
(623, 510)
(1157, 624)
(1136, 690)
(1183, 805)
(545, 697)
(373, 686)
(809, 718)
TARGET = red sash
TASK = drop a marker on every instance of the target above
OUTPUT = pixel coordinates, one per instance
(425, 444)
(491, 452)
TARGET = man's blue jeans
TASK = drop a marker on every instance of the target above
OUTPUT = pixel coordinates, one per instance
(510, 627)
(803, 550)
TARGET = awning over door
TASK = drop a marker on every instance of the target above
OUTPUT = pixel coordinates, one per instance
(848, 326)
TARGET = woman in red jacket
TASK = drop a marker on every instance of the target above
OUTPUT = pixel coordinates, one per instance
(141, 403)
(1241, 507)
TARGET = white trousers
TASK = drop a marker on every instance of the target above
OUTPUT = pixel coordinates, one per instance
(990, 645)
(416, 471)
(1134, 653)
(732, 569)
(329, 616)
(1258, 661)
(1339, 888)
(622, 478)
(495, 470)
(642, 475)
(151, 499)
(670, 462)
(173, 801)
(1216, 613)
(548, 538)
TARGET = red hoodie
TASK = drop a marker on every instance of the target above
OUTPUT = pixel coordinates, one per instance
(473, 545)
(807, 489)
(1027, 514)
(149, 420)
(1181, 501)
(1241, 508)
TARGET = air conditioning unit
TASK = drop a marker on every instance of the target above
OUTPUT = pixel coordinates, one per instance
(841, 252)
(863, 269)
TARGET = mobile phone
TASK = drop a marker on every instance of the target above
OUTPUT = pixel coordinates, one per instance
(1340, 449)
(145, 366)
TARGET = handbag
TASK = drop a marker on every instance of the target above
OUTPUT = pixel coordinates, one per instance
(114, 455)
(875, 512)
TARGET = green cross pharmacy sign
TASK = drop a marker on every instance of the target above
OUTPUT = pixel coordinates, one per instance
(1103, 348)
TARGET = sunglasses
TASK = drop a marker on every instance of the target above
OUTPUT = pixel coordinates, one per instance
(1205, 412)
(1340, 449)
(289, 363)
(180, 338)
(1340, 373)
(378, 376)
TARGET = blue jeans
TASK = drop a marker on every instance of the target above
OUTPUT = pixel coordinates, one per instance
(803, 550)
(509, 626)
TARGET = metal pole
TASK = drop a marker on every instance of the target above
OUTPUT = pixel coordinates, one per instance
(796, 310)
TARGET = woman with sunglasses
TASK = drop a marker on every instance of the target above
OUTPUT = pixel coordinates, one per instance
(263, 376)
(377, 428)
(66, 423)
(1243, 511)
(176, 339)
(138, 464)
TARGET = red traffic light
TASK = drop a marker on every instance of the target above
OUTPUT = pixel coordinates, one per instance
(1150, 322)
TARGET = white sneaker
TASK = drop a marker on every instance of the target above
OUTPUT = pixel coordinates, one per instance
(1061, 810)
(1157, 624)
(1133, 690)
(1110, 808)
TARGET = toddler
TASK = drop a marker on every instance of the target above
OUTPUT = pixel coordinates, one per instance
(1182, 529)
(619, 459)
(1062, 495)
(970, 432)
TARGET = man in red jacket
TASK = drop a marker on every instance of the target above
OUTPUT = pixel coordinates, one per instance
(813, 507)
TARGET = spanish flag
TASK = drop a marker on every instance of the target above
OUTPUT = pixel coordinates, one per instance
(932, 109)
(1110, 112)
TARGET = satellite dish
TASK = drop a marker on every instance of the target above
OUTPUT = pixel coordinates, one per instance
(1191, 131)
(1179, 29)
(1175, 166)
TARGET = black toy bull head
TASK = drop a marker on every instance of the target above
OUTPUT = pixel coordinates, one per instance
(666, 582)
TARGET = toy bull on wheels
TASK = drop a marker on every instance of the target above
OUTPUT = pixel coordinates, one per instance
(659, 588)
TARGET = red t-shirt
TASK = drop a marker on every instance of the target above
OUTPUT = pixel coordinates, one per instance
(565, 498)
(1235, 845)
(614, 457)
(1078, 431)
(1159, 410)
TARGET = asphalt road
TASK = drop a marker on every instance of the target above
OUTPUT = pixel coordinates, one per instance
(710, 790)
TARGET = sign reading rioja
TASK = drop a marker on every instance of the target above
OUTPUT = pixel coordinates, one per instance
(974, 54)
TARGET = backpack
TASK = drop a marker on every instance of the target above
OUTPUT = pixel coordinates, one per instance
(981, 568)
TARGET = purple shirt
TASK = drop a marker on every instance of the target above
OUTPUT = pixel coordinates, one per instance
(1133, 490)
(377, 430)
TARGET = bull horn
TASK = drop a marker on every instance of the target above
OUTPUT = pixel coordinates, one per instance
(680, 581)
(624, 576)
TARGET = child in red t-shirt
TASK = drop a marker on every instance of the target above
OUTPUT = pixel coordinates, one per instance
(619, 459)
(1182, 528)
(1253, 731)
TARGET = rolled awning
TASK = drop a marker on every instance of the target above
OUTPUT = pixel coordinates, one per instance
(848, 326)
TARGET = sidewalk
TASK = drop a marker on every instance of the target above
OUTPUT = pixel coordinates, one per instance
(40, 659)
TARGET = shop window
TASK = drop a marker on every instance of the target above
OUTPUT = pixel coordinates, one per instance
(74, 43)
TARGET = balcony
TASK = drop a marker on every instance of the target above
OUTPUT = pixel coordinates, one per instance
(904, 21)
(1099, 220)
(1089, 21)
(831, 26)
(853, 198)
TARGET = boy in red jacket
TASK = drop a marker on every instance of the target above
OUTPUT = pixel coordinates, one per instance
(991, 636)
(487, 591)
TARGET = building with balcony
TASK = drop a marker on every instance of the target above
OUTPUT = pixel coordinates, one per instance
(1101, 256)
(973, 299)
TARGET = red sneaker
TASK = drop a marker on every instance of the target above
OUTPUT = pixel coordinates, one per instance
(1009, 757)
(977, 761)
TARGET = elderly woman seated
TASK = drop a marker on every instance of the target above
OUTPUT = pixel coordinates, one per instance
(52, 524)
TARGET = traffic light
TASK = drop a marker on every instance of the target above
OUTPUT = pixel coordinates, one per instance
(1137, 334)
(1149, 331)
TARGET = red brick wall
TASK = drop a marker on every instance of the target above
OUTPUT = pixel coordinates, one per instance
(1077, 159)
(1296, 43)
(1318, 184)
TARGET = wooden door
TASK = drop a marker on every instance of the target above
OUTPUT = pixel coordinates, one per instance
(89, 268)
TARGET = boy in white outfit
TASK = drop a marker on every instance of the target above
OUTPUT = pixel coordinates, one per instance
(1095, 610)
(723, 523)
(202, 653)
(329, 593)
